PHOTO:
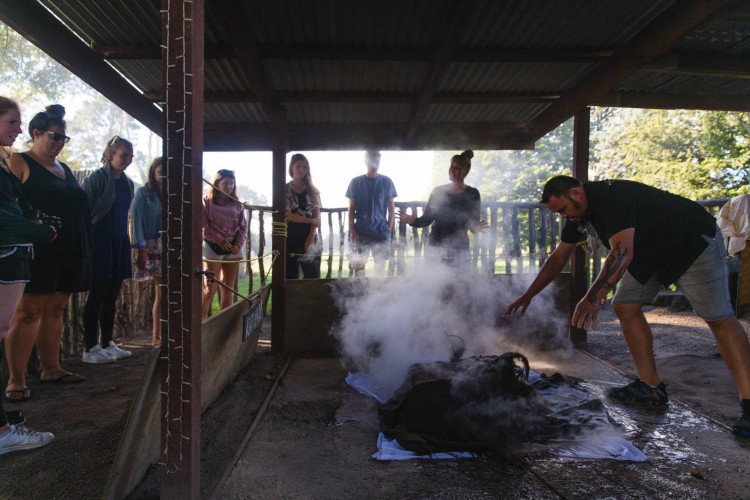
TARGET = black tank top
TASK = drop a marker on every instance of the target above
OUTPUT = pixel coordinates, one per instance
(65, 199)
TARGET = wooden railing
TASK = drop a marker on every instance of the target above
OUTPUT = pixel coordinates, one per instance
(519, 239)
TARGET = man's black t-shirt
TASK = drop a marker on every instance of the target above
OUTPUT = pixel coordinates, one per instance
(669, 229)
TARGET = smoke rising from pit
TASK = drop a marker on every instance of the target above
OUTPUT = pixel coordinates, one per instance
(389, 324)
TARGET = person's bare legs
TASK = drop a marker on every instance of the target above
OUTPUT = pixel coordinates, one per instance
(734, 347)
(229, 278)
(21, 337)
(209, 289)
(49, 335)
(156, 314)
(640, 340)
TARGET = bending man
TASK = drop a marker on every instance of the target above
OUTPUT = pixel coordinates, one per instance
(655, 239)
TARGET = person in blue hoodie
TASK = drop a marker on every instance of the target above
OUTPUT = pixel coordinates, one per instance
(110, 193)
(145, 217)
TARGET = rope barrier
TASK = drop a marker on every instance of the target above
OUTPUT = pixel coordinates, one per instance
(279, 229)
(211, 278)
(244, 204)
(216, 261)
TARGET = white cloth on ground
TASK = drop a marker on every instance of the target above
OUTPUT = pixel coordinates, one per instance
(603, 445)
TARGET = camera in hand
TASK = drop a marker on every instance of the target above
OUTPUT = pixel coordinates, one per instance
(49, 220)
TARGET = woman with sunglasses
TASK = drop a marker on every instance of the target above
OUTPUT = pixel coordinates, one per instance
(18, 232)
(60, 267)
(145, 218)
(110, 192)
(303, 216)
(224, 233)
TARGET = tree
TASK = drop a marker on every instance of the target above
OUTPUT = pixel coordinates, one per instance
(35, 80)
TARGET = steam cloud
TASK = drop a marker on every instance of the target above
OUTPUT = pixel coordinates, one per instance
(427, 316)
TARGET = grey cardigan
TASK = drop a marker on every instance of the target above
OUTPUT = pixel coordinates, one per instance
(100, 186)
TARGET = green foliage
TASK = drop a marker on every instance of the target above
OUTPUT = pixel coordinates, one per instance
(34, 80)
(697, 154)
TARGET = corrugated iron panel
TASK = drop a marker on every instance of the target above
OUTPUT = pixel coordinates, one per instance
(483, 113)
(721, 35)
(545, 24)
(512, 77)
(684, 84)
(347, 113)
(110, 22)
(372, 23)
(338, 76)
(146, 74)
(234, 113)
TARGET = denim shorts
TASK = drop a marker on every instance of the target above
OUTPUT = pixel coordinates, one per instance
(705, 284)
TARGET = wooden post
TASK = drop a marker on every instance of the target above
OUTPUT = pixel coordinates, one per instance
(180, 360)
(580, 282)
(278, 287)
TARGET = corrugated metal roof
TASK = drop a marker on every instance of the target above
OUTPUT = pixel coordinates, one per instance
(339, 76)
(512, 77)
(483, 113)
(414, 31)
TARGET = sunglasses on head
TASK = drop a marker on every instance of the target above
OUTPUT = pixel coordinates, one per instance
(58, 137)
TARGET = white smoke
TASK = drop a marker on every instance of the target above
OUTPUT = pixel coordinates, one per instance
(389, 324)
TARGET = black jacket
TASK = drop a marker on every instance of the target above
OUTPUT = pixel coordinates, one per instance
(17, 226)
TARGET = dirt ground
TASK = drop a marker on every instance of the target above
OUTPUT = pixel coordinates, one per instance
(319, 434)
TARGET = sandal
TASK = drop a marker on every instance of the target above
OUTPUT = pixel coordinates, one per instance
(66, 378)
(25, 395)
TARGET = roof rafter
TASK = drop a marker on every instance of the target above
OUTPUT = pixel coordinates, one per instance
(230, 14)
(727, 66)
(343, 136)
(649, 100)
(440, 58)
(42, 29)
(649, 44)
(377, 97)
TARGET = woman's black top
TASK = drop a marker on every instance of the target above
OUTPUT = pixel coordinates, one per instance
(63, 198)
(17, 227)
(450, 215)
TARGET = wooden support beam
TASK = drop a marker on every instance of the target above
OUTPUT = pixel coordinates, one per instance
(344, 136)
(649, 44)
(440, 57)
(714, 65)
(648, 100)
(376, 97)
(336, 53)
(578, 264)
(37, 25)
(230, 16)
(278, 284)
(180, 359)
(146, 52)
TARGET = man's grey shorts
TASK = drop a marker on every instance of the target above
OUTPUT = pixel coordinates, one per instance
(705, 284)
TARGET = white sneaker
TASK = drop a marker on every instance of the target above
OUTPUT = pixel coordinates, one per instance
(20, 437)
(97, 355)
(115, 351)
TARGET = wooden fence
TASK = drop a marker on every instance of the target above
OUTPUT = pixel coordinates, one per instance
(519, 239)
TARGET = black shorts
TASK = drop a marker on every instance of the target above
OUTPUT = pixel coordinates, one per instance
(53, 272)
(14, 264)
(379, 244)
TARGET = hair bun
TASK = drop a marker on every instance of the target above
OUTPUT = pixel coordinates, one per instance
(468, 154)
(55, 111)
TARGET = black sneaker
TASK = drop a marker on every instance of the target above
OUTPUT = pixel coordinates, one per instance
(639, 393)
(741, 427)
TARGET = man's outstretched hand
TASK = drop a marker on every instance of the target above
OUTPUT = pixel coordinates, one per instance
(520, 303)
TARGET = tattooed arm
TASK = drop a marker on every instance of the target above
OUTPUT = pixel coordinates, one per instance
(612, 271)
